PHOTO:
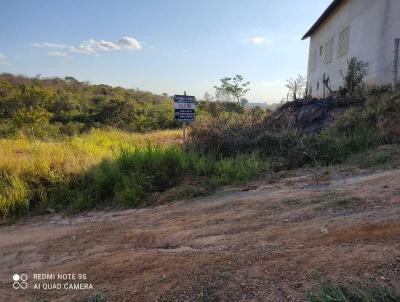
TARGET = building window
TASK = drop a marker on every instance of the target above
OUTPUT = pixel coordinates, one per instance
(313, 60)
(321, 50)
(343, 41)
(328, 51)
(317, 86)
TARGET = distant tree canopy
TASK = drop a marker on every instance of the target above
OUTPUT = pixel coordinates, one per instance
(56, 106)
(232, 88)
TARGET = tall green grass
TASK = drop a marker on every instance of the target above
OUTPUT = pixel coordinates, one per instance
(106, 168)
(136, 173)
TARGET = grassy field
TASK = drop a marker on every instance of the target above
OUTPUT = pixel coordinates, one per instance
(109, 168)
(28, 168)
(74, 154)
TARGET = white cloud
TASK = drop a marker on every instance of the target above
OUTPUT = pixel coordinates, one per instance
(260, 40)
(93, 46)
(49, 45)
(57, 54)
(3, 59)
(130, 43)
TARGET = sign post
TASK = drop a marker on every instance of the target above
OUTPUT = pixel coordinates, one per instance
(184, 111)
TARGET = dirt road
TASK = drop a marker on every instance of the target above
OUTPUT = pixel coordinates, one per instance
(259, 242)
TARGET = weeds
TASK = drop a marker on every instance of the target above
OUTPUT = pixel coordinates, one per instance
(383, 156)
(293, 201)
(352, 292)
(100, 297)
(332, 200)
(365, 125)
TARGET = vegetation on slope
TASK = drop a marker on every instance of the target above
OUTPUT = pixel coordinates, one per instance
(63, 107)
(106, 168)
(43, 165)
(60, 148)
(371, 123)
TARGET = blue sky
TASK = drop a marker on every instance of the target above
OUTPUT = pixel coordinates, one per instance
(160, 46)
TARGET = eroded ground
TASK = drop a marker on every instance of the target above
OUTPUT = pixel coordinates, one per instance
(259, 242)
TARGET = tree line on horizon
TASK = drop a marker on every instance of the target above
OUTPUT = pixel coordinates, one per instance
(60, 107)
(65, 106)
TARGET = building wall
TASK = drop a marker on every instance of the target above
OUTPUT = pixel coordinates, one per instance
(373, 26)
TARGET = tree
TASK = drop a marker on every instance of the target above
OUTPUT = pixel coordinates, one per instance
(70, 79)
(354, 85)
(243, 102)
(234, 88)
(31, 118)
(297, 87)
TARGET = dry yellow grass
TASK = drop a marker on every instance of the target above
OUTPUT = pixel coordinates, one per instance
(24, 161)
(75, 154)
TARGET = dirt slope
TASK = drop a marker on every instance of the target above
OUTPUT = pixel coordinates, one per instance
(261, 242)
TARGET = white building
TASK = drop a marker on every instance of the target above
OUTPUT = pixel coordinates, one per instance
(365, 29)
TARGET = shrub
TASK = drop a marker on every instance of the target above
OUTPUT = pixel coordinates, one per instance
(227, 134)
(356, 130)
(354, 79)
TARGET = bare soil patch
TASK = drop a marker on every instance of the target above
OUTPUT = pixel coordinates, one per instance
(257, 242)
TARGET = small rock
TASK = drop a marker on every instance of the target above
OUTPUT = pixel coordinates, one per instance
(324, 230)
